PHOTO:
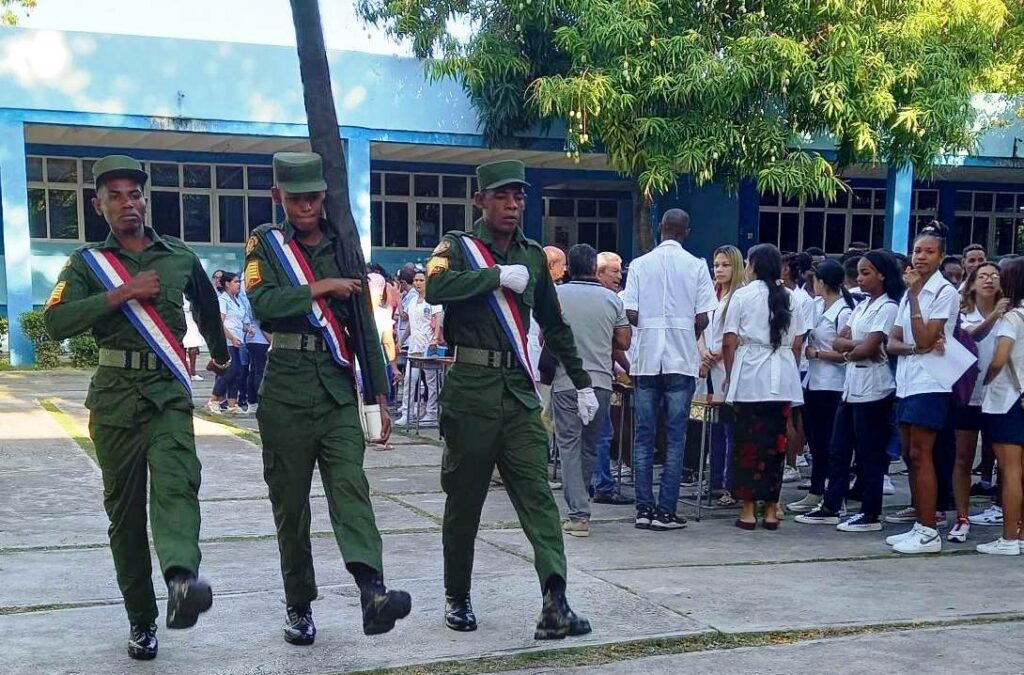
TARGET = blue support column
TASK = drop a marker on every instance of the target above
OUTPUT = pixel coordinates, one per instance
(17, 250)
(749, 215)
(533, 217)
(357, 157)
(899, 185)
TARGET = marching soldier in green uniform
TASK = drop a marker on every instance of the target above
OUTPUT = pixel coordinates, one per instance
(489, 283)
(128, 292)
(309, 412)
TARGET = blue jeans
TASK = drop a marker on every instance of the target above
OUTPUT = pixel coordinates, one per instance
(602, 480)
(721, 457)
(675, 393)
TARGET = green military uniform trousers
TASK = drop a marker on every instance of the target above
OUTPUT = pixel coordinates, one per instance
(511, 436)
(295, 439)
(162, 444)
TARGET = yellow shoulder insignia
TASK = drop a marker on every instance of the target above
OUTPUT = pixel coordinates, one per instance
(57, 296)
(252, 275)
(436, 265)
(251, 243)
(441, 248)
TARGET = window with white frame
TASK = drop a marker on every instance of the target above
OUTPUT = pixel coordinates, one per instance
(197, 202)
(413, 210)
(569, 221)
(854, 216)
(993, 219)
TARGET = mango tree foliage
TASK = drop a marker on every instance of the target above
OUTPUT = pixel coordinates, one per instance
(10, 9)
(721, 90)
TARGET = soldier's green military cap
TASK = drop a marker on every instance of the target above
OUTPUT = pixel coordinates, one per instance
(298, 172)
(494, 175)
(118, 166)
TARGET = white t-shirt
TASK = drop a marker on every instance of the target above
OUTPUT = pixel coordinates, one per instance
(937, 300)
(759, 372)
(825, 375)
(867, 380)
(668, 288)
(808, 310)
(1002, 393)
(986, 350)
(420, 332)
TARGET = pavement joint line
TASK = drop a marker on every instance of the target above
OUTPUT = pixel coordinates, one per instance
(801, 561)
(423, 513)
(236, 429)
(67, 422)
(704, 641)
(425, 440)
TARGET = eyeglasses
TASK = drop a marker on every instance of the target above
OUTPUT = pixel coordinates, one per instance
(992, 276)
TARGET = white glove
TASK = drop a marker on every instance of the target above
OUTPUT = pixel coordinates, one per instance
(514, 277)
(586, 403)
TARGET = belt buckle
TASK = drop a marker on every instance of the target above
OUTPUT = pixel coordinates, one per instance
(304, 342)
(493, 359)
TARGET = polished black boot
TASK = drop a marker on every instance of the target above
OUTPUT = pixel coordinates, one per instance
(458, 613)
(382, 608)
(557, 620)
(300, 629)
(188, 596)
(142, 644)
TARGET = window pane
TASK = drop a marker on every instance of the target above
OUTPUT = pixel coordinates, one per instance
(789, 231)
(37, 213)
(769, 199)
(790, 200)
(426, 186)
(454, 187)
(260, 177)
(197, 217)
(166, 212)
(61, 170)
(63, 207)
(835, 233)
(607, 235)
(96, 228)
(979, 234)
(862, 199)
(261, 211)
(472, 185)
(428, 222)
(164, 175)
(879, 200)
(586, 208)
(376, 224)
(231, 214)
(963, 229)
(586, 233)
(230, 177)
(561, 208)
(1005, 235)
(1004, 201)
(375, 182)
(982, 201)
(34, 169)
(87, 176)
(860, 228)
(878, 232)
(814, 229)
(197, 175)
(396, 184)
(453, 217)
(1019, 244)
(927, 200)
(396, 224)
(814, 203)
(768, 228)
(963, 200)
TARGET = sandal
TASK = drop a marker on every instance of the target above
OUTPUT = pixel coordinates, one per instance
(726, 500)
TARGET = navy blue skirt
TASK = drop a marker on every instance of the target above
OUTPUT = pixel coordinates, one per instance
(968, 418)
(925, 410)
(1008, 428)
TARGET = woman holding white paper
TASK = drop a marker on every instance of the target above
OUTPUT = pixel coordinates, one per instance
(928, 357)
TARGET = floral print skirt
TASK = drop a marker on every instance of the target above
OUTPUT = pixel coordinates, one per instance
(759, 450)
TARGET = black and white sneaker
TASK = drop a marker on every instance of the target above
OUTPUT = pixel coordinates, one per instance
(819, 516)
(858, 522)
(644, 516)
(142, 644)
(667, 521)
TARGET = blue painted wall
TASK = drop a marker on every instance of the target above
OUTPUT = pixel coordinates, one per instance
(714, 215)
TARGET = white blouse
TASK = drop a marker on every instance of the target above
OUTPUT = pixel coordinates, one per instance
(1002, 393)
(986, 350)
(759, 372)
(937, 300)
(825, 375)
(713, 342)
(868, 380)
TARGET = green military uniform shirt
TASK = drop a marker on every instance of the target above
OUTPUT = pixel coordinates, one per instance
(282, 307)
(79, 304)
(469, 320)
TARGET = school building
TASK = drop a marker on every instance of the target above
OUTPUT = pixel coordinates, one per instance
(206, 118)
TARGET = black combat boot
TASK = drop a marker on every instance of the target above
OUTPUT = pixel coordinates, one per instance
(142, 644)
(458, 613)
(382, 608)
(300, 629)
(188, 596)
(557, 620)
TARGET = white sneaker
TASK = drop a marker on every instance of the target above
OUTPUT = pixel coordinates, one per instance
(234, 410)
(1000, 547)
(197, 378)
(818, 517)
(960, 530)
(993, 515)
(894, 539)
(806, 505)
(253, 407)
(801, 461)
(214, 407)
(924, 540)
(790, 474)
(887, 487)
(400, 422)
(576, 528)
(805, 484)
(858, 522)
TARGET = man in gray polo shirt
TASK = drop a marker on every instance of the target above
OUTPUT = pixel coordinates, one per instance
(598, 321)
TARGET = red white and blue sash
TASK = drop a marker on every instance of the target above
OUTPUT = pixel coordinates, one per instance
(503, 302)
(320, 316)
(143, 315)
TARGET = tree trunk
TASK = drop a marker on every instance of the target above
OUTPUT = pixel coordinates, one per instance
(643, 240)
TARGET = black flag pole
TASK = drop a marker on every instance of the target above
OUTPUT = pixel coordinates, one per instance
(325, 139)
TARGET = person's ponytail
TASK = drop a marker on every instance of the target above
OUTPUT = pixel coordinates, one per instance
(780, 315)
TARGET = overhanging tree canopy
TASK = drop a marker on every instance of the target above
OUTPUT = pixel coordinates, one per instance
(8, 15)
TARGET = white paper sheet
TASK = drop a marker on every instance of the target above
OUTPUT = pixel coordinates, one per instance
(948, 367)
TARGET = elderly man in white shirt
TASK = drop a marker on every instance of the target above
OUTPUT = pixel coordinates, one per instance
(668, 296)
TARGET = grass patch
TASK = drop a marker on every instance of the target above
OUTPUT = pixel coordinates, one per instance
(71, 428)
(236, 429)
(422, 440)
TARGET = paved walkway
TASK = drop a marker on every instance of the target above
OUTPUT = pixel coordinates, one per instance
(60, 610)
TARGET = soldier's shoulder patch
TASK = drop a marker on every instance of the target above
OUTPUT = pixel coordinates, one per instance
(57, 296)
(441, 248)
(252, 275)
(436, 265)
(251, 243)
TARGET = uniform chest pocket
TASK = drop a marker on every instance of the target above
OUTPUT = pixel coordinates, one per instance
(172, 295)
(529, 294)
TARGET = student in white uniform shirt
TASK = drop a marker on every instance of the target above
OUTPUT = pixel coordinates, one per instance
(863, 421)
(796, 269)
(1003, 409)
(423, 331)
(763, 334)
(924, 325)
(981, 308)
(826, 373)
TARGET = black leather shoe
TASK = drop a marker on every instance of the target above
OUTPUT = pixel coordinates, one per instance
(142, 644)
(458, 613)
(188, 596)
(300, 629)
(557, 620)
(382, 608)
